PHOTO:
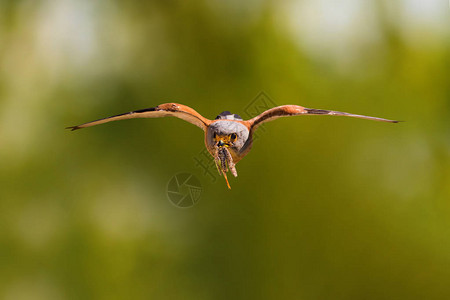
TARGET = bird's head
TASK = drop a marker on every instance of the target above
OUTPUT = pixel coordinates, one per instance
(226, 141)
(227, 134)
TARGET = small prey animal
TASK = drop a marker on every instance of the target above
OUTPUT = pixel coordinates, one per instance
(228, 137)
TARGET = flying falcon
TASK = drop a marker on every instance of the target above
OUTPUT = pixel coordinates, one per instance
(228, 137)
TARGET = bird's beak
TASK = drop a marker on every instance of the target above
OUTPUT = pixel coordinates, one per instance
(222, 141)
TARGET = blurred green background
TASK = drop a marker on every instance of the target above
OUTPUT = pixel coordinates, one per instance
(323, 208)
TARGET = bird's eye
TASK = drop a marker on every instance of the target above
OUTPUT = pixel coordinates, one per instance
(233, 136)
(214, 135)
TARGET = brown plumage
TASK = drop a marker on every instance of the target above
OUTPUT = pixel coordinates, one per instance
(228, 138)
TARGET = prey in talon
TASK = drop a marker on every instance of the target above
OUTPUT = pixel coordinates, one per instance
(228, 137)
(224, 160)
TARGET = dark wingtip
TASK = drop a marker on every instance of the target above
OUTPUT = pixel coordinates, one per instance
(72, 128)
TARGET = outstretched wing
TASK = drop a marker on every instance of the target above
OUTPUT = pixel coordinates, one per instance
(164, 110)
(295, 110)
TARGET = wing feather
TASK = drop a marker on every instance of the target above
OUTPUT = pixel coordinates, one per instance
(295, 110)
(164, 110)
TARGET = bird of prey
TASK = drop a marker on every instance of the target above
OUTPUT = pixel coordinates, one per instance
(228, 137)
